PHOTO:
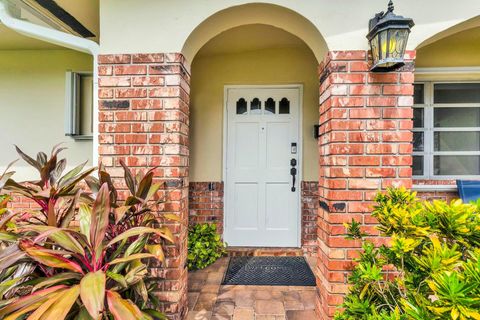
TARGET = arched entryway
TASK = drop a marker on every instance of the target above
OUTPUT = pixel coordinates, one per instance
(265, 56)
(256, 60)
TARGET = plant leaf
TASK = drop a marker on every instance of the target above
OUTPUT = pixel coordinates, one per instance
(122, 309)
(10, 255)
(120, 212)
(61, 237)
(70, 212)
(56, 279)
(28, 159)
(144, 186)
(92, 292)
(37, 314)
(71, 174)
(57, 172)
(129, 180)
(117, 278)
(42, 158)
(83, 315)
(157, 251)
(171, 217)
(141, 230)
(132, 257)
(85, 220)
(100, 212)
(51, 217)
(4, 178)
(28, 300)
(8, 237)
(47, 258)
(60, 309)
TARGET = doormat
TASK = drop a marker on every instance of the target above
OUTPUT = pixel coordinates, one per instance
(269, 271)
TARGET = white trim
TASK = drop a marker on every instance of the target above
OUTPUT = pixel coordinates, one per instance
(61, 39)
(447, 70)
(297, 86)
(431, 187)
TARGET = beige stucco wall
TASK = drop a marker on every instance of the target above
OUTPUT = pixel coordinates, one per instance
(133, 26)
(32, 98)
(268, 66)
(458, 50)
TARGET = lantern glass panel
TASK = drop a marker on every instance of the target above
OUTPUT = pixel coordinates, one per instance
(397, 42)
(375, 49)
(383, 44)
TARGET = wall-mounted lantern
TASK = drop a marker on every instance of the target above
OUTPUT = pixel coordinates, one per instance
(388, 36)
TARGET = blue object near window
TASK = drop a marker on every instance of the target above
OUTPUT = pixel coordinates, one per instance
(469, 190)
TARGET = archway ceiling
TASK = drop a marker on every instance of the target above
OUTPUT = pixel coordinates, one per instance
(255, 13)
(250, 38)
(460, 49)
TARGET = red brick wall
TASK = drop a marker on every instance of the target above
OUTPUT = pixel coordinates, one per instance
(144, 120)
(309, 217)
(436, 194)
(365, 146)
(206, 203)
(19, 203)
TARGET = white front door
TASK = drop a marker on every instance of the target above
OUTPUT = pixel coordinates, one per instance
(262, 145)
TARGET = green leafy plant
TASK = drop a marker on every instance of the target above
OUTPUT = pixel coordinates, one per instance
(97, 270)
(205, 246)
(434, 256)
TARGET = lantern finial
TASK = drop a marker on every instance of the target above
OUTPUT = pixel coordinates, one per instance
(390, 6)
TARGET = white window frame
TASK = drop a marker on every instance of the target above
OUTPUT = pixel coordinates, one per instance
(73, 105)
(429, 130)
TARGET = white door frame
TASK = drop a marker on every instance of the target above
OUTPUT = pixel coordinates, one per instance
(299, 87)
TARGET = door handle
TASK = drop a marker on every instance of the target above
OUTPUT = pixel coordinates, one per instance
(293, 172)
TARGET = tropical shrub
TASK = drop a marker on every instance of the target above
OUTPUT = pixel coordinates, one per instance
(205, 246)
(431, 268)
(97, 270)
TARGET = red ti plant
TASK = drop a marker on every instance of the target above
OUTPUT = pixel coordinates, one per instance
(97, 270)
(57, 196)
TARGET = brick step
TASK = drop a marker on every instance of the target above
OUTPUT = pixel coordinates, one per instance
(258, 252)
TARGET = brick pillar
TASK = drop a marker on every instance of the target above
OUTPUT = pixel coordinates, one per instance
(365, 146)
(144, 120)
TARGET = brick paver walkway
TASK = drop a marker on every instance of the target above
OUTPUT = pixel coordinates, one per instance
(209, 300)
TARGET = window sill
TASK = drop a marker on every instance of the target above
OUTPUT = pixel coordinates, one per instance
(434, 187)
(82, 138)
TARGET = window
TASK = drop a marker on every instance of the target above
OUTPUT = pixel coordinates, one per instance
(446, 130)
(242, 106)
(79, 105)
(263, 107)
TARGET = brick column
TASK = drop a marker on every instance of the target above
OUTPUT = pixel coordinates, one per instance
(365, 146)
(144, 120)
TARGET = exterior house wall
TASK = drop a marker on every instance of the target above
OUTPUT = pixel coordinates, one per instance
(365, 118)
(171, 24)
(32, 95)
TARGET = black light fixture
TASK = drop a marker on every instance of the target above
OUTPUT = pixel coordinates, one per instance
(388, 36)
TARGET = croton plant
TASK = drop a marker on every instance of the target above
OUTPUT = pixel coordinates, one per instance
(84, 252)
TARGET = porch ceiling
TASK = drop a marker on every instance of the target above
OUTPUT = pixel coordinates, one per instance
(87, 13)
(250, 38)
(11, 40)
(457, 50)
